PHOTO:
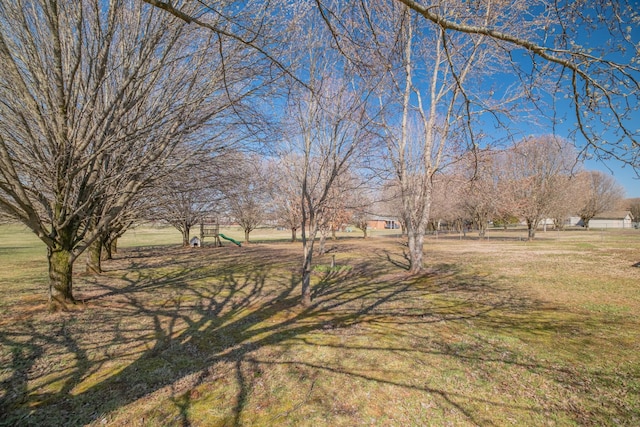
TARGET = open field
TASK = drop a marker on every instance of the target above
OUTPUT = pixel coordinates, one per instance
(497, 332)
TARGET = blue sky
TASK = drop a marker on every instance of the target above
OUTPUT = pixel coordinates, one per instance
(624, 174)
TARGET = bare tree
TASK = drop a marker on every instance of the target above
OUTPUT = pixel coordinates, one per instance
(118, 227)
(556, 62)
(598, 82)
(194, 190)
(105, 244)
(338, 211)
(565, 200)
(185, 202)
(599, 192)
(287, 210)
(94, 98)
(248, 195)
(361, 210)
(546, 52)
(331, 123)
(429, 88)
(480, 195)
(6, 217)
(448, 204)
(532, 176)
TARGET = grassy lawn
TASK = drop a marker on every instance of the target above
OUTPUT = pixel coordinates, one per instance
(497, 332)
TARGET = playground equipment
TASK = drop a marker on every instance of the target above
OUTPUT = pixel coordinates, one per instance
(230, 239)
(211, 228)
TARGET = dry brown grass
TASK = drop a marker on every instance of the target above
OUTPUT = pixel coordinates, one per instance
(496, 332)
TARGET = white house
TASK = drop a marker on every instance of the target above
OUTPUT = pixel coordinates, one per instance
(612, 219)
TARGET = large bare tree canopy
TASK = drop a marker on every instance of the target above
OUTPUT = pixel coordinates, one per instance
(577, 62)
(95, 97)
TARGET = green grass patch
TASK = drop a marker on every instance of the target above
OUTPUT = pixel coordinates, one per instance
(329, 269)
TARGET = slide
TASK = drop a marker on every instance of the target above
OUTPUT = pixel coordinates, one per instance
(230, 239)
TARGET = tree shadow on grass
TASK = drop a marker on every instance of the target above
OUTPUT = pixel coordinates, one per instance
(153, 329)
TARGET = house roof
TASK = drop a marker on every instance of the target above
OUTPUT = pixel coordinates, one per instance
(613, 215)
(382, 218)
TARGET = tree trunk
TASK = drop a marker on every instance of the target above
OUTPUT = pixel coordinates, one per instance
(185, 235)
(323, 240)
(107, 253)
(364, 232)
(60, 278)
(246, 235)
(482, 229)
(109, 248)
(404, 231)
(94, 257)
(293, 234)
(307, 249)
(416, 251)
(531, 228)
(306, 271)
(306, 278)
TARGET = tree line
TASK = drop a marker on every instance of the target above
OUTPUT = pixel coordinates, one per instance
(535, 180)
(112, 107)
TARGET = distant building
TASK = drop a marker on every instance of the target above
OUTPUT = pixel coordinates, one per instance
(611, 219)
(383, 223)
(572, 221)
